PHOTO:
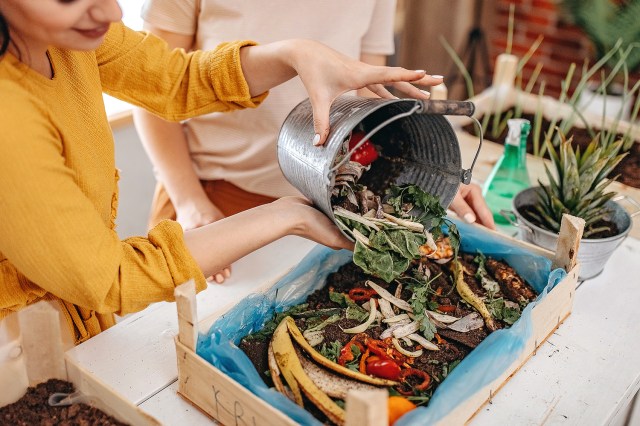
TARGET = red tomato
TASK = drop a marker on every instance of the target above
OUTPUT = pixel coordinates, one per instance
(384, 368)
(364, 155)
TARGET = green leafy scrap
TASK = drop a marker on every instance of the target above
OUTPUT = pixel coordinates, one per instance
(489, 284)
(270, 326)
(354, 365)
(331, 351)
(420, 302)
(431, 214)
(387, 265)
(500, 311)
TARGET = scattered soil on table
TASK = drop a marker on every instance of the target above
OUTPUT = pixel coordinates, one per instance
(628, 169)
(33, 409)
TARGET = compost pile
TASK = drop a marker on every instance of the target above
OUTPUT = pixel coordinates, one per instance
(401, 316)
(33, 409)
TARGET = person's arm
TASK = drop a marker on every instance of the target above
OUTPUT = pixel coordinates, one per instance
(52, 233)
(141, 70)
(326, 74)
(167, 146)
(225, 241)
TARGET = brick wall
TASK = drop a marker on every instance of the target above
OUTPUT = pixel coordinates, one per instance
(563, 43)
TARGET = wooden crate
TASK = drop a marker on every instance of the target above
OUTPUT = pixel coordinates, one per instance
(228, 402)
(44, 359)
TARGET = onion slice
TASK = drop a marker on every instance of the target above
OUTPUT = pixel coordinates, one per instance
(363, 327)
(423, 342)
(396, 318)
(406, 330)
(403, 351)
(447, 319)
(386, 309)
(402, 304)
(389, 331)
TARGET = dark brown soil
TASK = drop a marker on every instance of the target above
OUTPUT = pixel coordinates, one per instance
(628, 169)
(33, 409)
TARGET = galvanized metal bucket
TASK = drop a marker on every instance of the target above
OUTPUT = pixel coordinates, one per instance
(416, 142)
(593, 253)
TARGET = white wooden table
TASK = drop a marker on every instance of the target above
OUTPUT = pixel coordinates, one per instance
(585, 374)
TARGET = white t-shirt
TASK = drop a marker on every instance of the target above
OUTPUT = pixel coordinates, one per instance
(240, 146)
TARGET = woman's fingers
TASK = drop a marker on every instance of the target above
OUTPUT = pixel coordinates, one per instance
(221, 276)
(374, 79)
(469, 204)
(381, 91)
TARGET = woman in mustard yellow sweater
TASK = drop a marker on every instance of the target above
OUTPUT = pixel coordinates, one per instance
(58, 182)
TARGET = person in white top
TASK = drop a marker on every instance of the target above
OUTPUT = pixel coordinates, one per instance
(223, 163)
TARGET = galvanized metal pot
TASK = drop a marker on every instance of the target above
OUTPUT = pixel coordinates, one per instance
(417, 145)
(592, 254)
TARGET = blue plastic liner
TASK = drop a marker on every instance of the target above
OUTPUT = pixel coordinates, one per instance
(483, 365)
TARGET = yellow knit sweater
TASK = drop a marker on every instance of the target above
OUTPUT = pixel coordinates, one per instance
(58, 182)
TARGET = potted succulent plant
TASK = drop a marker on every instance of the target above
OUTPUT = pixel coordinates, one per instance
(577, 186)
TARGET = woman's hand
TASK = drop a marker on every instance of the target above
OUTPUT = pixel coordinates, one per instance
(469, 204)
(192, 216)
(326, 74)
(312, 224)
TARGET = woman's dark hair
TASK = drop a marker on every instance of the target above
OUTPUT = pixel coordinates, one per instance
(4, 36)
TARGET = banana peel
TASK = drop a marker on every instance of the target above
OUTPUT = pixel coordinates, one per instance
(317, 356)
(470, 297)
(275, 375)
(289, 365)
(285, 356)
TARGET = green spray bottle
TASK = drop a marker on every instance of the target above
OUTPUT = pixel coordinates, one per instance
(510, 175)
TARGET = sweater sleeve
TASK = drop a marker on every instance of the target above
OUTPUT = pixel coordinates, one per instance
(52, 233)
(139, 68)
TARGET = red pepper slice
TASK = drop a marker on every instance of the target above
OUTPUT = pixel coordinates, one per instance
(446, 309)
(378, 347)
(384, 368)
(366, 153)
(361, 294)
(346, 353)
(414, 372)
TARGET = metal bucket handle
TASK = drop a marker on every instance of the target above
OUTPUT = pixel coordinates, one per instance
(513, 220)
(440, 107)
(631, 201)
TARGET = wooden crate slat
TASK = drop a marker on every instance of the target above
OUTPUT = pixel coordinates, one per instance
(220, 396)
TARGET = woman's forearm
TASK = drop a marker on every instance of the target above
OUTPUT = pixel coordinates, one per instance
(221, 243)
(167, 147)
(266, 66)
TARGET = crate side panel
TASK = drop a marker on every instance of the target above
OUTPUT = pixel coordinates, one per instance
(220, 396)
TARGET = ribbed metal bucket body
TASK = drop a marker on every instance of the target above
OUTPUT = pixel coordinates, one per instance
(593, 253)
(421, 149)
